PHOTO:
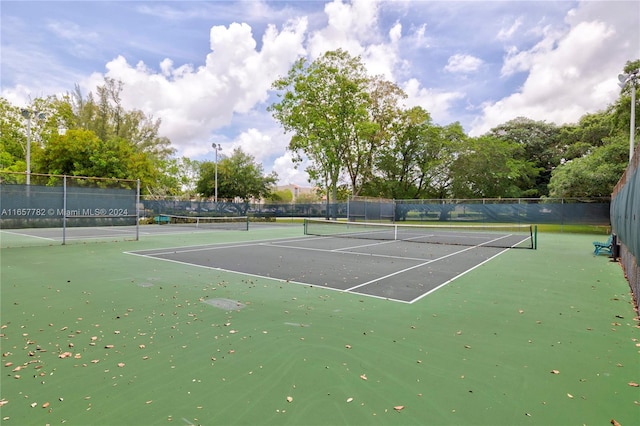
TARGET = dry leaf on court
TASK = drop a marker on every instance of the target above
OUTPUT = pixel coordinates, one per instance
(398, 407)
(634, 384)
(289, 399)
(363, 376)
(555, 372)
(349, 399)
(615, 423)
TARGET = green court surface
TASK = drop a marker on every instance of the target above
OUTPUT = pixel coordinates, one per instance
(92, 335)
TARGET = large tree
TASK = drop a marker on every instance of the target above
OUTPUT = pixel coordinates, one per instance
(491, 167)
(593, 175)
(82, 153)
(540, 143)
(104, 114)
(239, 177)
(403, 162)
(324, 104)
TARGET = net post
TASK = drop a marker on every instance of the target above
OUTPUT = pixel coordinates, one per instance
(247, 223)
(304, 224)
(535, 237)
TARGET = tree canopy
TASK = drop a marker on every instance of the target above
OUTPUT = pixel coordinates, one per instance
(352, 129)
(239, 178)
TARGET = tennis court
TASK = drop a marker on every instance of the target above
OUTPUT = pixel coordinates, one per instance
(202, 327)
(396, 270)
(76, 233)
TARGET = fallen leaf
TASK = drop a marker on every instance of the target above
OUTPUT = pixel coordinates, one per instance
(349, 399)
(3, 401)
(347, 346)
(634, 384)
(614, 423)
(555, 372)
(34, 404)
(398, 407)
(569, 395)
(121, 364)
(45, 405)
(363, 376)
(289, 399)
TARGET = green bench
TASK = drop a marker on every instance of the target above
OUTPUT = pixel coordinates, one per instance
(600, 246)
(161, 219)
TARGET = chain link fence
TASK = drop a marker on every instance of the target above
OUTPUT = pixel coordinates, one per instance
(625, 209)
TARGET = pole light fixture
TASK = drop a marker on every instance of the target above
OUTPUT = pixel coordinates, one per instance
(28, 114)
(216, 147)
(631, 80)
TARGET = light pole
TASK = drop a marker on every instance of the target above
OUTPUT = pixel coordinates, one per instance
(630, 79)
(217, 148)
(26, 113)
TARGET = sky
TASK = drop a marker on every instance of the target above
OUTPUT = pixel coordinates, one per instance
(205, 68)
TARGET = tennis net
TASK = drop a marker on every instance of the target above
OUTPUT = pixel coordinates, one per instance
(233, 223)
(502, 236)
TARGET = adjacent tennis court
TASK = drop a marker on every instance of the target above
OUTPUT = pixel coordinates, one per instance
(76, 233)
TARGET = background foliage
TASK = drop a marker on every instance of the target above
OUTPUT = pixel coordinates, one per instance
(359, 138)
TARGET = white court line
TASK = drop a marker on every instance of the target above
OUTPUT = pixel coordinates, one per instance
(265, 242)
(355, 253)
(410, 268)
(28, 235)
(458, 276)
(211, 246)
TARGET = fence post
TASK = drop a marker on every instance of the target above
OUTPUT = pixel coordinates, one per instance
(138, 210)
(64, 209)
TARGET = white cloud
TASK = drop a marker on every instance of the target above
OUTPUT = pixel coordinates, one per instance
(438, 104)
(507, 33)
(570, 73)
(287, 173)
(395, 33)
(350, 27)
(235, 78)
(465, 64)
